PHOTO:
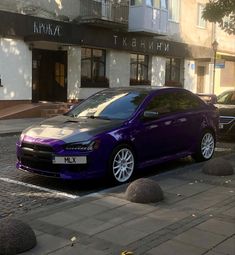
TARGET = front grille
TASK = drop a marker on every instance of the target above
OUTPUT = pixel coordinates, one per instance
(39, 158)
(226, 119)
(37, 147)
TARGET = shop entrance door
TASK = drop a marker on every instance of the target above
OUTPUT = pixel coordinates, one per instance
(49, 76)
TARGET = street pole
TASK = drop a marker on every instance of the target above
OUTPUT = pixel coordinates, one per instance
(215, 47)
(213, 84)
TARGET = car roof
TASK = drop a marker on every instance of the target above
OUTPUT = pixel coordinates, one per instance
(144, 88)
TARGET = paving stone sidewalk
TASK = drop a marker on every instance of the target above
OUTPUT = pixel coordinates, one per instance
(196, 217)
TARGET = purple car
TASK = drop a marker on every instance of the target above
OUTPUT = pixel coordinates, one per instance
(119, 130)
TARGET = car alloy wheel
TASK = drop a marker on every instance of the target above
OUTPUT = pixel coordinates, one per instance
(207, 145)
(123, 164)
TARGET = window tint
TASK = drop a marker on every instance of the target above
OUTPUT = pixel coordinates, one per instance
(185, 101)
(174, 102)
(160, 104)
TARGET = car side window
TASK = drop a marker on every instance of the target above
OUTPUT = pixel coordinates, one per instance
(160, 104)
(233, 98)
(185, 101)
(224, 98)
(173, 102)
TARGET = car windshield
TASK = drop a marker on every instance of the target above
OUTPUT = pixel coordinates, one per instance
(109, 105)
(226, 98)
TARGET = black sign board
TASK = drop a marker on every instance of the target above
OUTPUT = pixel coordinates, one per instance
(40, 29)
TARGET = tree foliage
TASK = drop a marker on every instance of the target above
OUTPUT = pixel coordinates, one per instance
(222, 12)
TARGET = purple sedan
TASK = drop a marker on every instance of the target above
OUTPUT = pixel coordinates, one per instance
(119, 130)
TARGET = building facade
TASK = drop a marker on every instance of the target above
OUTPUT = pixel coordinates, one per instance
(67, 50)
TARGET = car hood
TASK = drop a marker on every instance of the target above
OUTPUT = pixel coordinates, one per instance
(69, 129)
(226, 110)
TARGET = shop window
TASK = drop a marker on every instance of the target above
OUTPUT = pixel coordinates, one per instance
(172, 77)
(93, 68)
(139, 70)
(173, 10)
(200, 21)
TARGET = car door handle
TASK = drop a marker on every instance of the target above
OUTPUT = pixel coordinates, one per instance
(180, 120)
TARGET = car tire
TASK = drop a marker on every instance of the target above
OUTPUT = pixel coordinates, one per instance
(121, 164)
(206, 147)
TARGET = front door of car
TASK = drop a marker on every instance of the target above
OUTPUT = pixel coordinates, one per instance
(157, 136)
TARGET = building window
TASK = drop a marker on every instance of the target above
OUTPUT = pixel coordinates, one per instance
(174, 10)
(136, 2)
(200, 21)
(139, 70)
(172, 77)
(93, 68)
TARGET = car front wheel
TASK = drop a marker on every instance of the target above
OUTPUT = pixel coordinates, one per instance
(122, 164)
(206, 147)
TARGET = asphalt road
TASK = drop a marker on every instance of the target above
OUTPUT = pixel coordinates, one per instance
(21, 192)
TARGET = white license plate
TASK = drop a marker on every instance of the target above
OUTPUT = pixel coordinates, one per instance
(70, 160)
(221, 126)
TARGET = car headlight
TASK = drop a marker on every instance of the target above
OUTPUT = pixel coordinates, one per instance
(22, 136)
(83, 146)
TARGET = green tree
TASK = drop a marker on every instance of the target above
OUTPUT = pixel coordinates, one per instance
(222, 12)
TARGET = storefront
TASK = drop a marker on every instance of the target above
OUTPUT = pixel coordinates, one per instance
(47, 60)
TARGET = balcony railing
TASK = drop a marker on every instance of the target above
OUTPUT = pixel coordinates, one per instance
(104, 10)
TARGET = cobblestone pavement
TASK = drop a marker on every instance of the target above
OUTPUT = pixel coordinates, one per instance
(196, 217)
(16, 199)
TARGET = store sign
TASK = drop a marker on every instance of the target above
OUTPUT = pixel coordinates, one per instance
(140, 44)
(48, 29)
(220, 63)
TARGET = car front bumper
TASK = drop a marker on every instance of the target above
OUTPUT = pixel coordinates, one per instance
(38, 157)
(227, 127)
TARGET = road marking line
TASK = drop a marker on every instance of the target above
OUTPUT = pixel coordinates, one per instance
(57, 193)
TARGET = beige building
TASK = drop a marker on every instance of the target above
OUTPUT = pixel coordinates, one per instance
(62, 50)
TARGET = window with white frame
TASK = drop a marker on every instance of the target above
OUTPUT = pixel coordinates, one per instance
(200, 21)
(174, 10)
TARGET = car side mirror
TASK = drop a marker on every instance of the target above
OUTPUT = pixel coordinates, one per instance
(150, 115)
(71, 107)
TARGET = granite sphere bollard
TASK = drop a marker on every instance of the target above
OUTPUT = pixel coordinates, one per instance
(144, 191)
(15, 237)
(218, 166)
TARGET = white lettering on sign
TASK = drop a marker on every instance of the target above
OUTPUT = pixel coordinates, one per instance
(46, 29)
(144, 44)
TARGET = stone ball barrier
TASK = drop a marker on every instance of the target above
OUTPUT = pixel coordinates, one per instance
(218, 166)
(144, 191)
(15, 237)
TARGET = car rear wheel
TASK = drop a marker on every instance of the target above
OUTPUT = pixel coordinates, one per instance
(206, 147)
(122, 164)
